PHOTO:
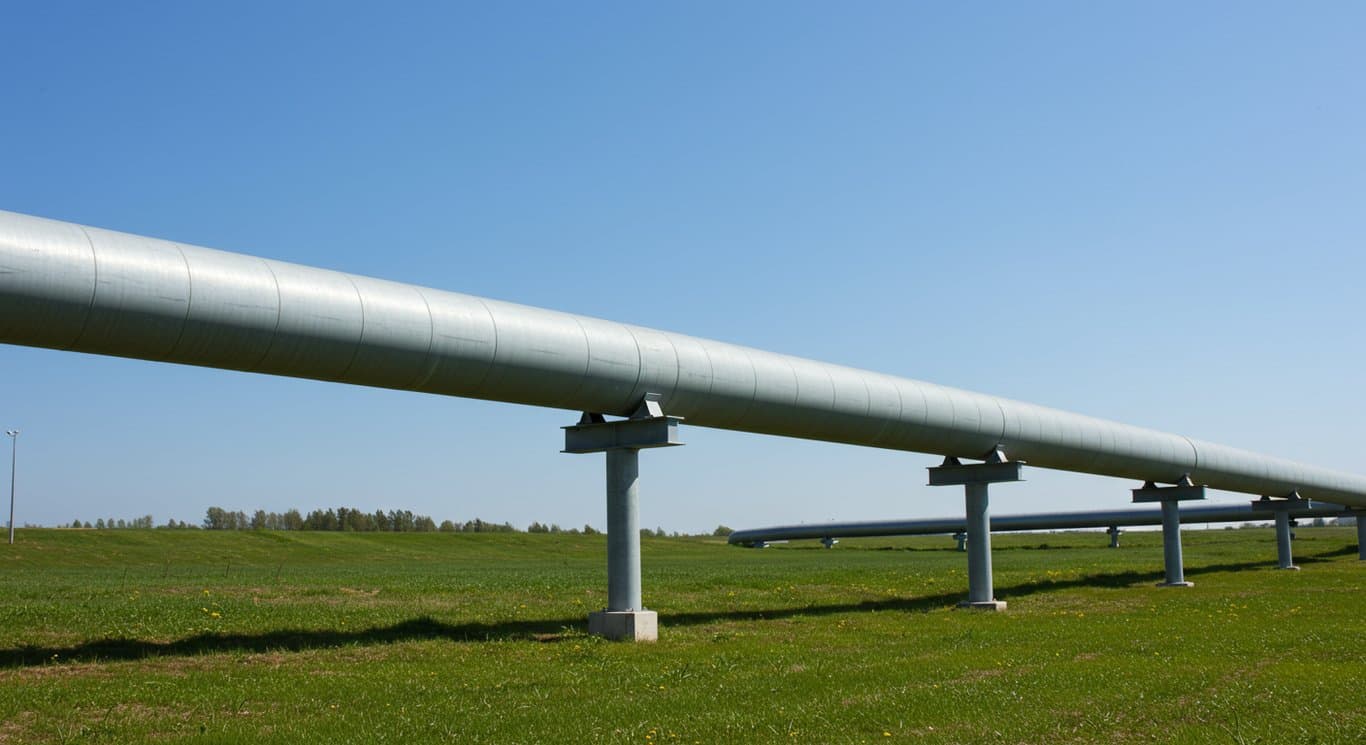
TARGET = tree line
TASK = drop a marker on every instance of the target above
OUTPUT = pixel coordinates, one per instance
(351, 519)
(137, 523)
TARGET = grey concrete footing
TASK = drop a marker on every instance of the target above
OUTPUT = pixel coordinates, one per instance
(989, 605)
(625, 625)
(1182, 583)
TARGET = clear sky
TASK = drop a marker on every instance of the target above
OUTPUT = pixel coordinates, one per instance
(1149, 212)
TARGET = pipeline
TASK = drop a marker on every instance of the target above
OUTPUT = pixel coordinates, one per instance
(84, 289)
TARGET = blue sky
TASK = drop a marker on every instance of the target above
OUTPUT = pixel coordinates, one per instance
(1149, 212)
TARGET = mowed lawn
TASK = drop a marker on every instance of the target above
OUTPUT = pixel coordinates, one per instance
(153, 636)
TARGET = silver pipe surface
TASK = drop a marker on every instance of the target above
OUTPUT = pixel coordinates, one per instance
(623, 529)
(79, 288)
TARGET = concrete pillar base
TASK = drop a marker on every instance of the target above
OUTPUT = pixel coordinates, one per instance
(1291, 568)
(1182, 583)
(625, 625)
(991, 605)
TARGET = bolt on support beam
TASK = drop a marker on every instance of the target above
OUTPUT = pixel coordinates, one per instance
(975, 478)
(1284, 538)
(1114, 532)
(1171, 498)
(625, 616)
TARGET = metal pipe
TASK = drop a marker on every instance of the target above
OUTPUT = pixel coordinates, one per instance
(980, 588)
(1283, 554)
(78, 288)
(1171, 543)
(623, 530)
(1041, 521)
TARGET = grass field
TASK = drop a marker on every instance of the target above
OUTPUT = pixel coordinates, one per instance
(133, 636)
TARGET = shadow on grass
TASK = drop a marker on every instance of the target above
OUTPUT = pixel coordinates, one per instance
(549, 630)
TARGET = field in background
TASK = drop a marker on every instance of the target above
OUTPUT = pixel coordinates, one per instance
(126, 636)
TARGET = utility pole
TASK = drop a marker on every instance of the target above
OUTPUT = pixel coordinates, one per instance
(13, 459)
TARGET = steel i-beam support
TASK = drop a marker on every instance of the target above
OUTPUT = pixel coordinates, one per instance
(1284, 538)
(975, 479)
(625, 617)
(1171, 498)
(1113, 532)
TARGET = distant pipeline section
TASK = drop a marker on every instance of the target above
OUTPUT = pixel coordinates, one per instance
(1220, 513)
(84, 289)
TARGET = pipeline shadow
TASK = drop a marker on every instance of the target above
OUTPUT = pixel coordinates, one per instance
(553, 630)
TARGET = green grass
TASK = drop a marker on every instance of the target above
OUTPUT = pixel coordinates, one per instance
(128, 636)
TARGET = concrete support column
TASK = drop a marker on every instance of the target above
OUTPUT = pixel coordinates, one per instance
(625, 617)
(1173, 568)
(975, 478)
(1283, 506)
(1114, 536)
(1283, 538)
(980, 588)
(623, 530)
(1172, 564)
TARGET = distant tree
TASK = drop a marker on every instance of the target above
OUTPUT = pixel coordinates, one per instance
(448, 527)
(216, 518)
(536, 527)
(86, 525)
(258, 520)
(99, 524)
(722, 531)
(424, 524)
(590, 530)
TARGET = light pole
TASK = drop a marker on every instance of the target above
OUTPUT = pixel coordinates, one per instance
(13, 458)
